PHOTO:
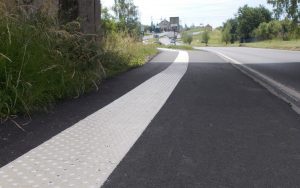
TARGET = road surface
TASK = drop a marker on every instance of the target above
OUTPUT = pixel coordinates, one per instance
(219, 128)
(165, 38)
(281, 65)
(197, 122)
(167, 41)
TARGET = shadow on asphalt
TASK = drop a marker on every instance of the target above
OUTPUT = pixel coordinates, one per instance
(219, 128)
(285, 73)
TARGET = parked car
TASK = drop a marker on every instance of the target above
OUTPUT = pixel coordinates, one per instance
(173, 41)
(158, 42)
(156, 36)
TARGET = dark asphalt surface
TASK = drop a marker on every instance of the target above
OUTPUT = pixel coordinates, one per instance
(281, 65)
(218, 129)
(14, 142)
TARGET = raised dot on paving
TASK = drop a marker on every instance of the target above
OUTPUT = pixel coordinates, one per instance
(99, 141)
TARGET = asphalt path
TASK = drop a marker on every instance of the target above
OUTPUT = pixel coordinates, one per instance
(167, 41)
(165, 38)
(218, 129)
(280, 65)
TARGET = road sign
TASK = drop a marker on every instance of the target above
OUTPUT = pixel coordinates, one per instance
(174, 21)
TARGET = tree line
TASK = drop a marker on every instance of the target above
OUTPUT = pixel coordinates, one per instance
(125, 18)
(259, 23)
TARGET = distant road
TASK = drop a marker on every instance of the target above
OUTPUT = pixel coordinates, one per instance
(197, 33)
(164, 38)
(280, 65)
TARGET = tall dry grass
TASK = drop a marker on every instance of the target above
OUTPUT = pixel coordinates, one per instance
(42, 62)
(121, 52)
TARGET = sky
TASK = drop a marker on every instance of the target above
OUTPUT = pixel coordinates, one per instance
(213, 12)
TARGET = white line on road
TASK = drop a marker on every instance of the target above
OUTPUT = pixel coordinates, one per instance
(84, 155)
(267, 82)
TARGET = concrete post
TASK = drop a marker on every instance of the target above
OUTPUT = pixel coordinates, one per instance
(48, 7)
(89, 13)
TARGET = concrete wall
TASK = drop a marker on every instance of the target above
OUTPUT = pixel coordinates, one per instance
(49, 7)
(89, 12)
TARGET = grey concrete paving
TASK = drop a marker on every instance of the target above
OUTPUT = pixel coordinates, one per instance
(219, 129)
(76, 157)
(85, 154)
(14, 142)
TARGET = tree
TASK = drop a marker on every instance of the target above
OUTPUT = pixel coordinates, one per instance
(262, 31)
(286, 28)
(226, 35)
(205, 37)
(186, 27)
(187, 38)
(234, 29)
(108, 24)
(127, 15)
(290, 7)
(274, 28)
(249, 18)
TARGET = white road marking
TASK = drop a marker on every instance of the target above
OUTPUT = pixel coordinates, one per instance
(84, 155)
(268, 82)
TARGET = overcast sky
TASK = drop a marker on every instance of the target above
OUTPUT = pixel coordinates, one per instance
(213, 12)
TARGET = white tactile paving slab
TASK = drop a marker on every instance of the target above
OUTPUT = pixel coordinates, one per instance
(84, 155)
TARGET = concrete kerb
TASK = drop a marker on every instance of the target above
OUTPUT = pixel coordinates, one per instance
(287, 94)
(169, 50)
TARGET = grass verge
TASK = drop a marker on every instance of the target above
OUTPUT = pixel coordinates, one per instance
(180, 47)
(121, 53)
(216, 41)
(275, 44)
(42, 62)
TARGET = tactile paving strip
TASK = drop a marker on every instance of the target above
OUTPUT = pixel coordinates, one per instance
(84, 155)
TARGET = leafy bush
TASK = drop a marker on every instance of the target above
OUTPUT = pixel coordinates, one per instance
(187, 38)
(275, 29)
(205, 37)
(249, 19)
(262, 32)
(226, 33)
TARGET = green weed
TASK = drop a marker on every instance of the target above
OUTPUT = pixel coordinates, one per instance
(42, 62)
